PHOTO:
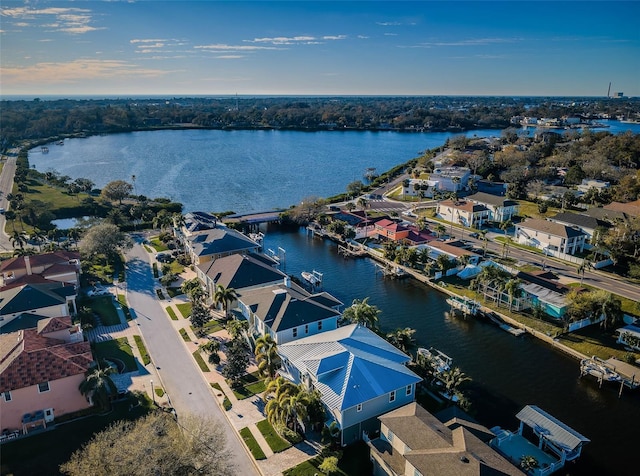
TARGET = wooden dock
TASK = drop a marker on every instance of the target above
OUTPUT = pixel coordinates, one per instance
(464, 305)
(514, 331)
(352, 251)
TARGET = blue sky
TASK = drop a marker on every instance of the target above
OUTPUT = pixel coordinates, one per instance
(157, 47)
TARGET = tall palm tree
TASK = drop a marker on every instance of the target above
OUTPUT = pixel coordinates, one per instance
(267, 357)
(483, 236)
(402, 338)
(611, 308)
(513, 288)
(452, 379)
(440, 230)
(98, 385)
(363, 313)
(18, 238)
(224, 297)
(278, 386)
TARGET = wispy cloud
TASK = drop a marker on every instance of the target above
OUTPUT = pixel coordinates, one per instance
(297, 40)
(67, 20)
(388, 23)
(230, 56)
(75, 71)
(225, 47)
(469, 42)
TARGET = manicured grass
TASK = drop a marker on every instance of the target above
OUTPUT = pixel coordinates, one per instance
(354, 462)
(226, 403)
(103, 306)
(184, 308)
(201, 363)
(252, 444)
(212, 326)
(158, 245)
(530, 209)
(185, 336)
(275, 441)
(56, 446)
(171, 313)
(176, 268)
(252, 384)
(306, 468)
(146, 359)
(593, 340)
(116, 349)
(154, 266)
(159, 391)
(125, 307)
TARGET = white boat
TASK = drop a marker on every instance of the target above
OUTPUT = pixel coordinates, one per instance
(596, 367)
(441, 361)
(314, 277)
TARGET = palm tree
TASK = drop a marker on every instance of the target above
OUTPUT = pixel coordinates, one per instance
(452, 379)
(582, 268)
(18, 238)
(224, 296)
(513, 287)
(483, 236)
(363, 313)
(162, 220)
(402, 338)
(98, 385)
(440, 230)
(267, 357)
(278, 386)
(611, 308)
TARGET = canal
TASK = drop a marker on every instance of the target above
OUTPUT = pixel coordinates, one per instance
(508, 372)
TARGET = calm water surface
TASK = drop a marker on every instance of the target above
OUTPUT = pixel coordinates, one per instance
(248, 171)
(508, 372)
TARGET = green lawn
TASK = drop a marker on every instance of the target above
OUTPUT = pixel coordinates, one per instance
(252, 384)
(252, 444)
(212, 326)
(146, 359)
(171, 313)
(125, 307)
(103, 306)
(173, 291)
(226, 403)
(354, 462)
(116, 349)
(185, 336)
(201, 363)
(55, 447)
(158, 245)
(184, 308)
(275, 441)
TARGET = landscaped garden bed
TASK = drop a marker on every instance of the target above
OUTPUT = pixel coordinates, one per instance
(116, 350)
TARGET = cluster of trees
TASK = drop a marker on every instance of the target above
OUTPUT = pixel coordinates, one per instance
(38, 119)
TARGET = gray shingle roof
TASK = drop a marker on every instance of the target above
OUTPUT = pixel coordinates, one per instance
(220, 240)
(550, 227)
(583, 221)
(33, 296)
(493, 200)
(241, 271)
(553, 429)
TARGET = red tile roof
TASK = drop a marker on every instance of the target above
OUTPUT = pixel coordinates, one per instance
(29, 358)
(18, 262)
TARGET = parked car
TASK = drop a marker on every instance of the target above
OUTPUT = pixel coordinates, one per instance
(474, 235)
(163, 257)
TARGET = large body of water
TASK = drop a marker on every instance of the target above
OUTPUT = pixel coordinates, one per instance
(248, 171)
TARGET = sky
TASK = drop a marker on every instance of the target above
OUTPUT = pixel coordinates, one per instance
(298, 47)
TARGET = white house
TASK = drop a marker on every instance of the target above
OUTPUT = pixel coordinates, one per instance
(359, 375)
(500, 208)
(451, 179)
(550, 237)
(463, 212)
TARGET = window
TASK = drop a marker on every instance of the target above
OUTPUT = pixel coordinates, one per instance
(319, 325)
(390, 436)
(409, 389)
(392, 396)
(359, 407)
(295, 332)
(43, 387)
(6, 396)
(306, 328)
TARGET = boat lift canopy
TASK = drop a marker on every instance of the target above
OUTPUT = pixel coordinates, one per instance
(551, 429)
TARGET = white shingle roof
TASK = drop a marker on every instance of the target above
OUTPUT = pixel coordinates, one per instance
(553, 429)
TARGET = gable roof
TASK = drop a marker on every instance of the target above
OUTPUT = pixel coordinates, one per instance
(240, 271)
(390, 225)
(493, 200)
(33, 296)
(549, 227)
(27, 358)
(630, 208)
(22, 321)
(282, 307)
(220, 240)
(554, 430)
(350, 365)
(583, 221)
(433, 448)
(606, 214)
(46, 260)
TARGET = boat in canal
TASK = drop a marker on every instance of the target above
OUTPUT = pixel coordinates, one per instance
(441, 361)
(314, 278)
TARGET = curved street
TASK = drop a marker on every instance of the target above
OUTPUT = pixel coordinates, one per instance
(187, 389)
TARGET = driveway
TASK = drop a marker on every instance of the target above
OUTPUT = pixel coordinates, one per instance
(181, 378)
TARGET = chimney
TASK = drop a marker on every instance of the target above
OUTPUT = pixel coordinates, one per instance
(27, 265)
(287, 281)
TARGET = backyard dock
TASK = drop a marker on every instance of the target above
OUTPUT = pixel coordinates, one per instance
(493, 317)
(465, 305)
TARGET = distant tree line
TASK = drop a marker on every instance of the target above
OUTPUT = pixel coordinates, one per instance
(45, 119)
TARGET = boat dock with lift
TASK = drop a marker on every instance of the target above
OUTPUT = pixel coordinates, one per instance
(314, 278)
(352, 250)
(391, 271)
(611, 370)
(493, 317)
(464, 305)
(441, 361)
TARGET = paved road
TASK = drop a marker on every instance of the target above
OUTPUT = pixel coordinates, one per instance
(6, 185)
(181, 378)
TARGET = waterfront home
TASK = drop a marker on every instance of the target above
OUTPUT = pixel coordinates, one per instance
(288, 312)
(463, 212)
(449, 248)
(585, 223)
(390, 230)
(359, 375)
(419, 188)
(239, 271)
(500, 208)
(40, 371)
(629, 335)
(61, 266)
(211, 244)
(539, 290)
(50, 299)
(557, 442)
(451, 179)
(552, 238)
(412, 442)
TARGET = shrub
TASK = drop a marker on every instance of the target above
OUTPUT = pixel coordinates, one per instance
(288, 434)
